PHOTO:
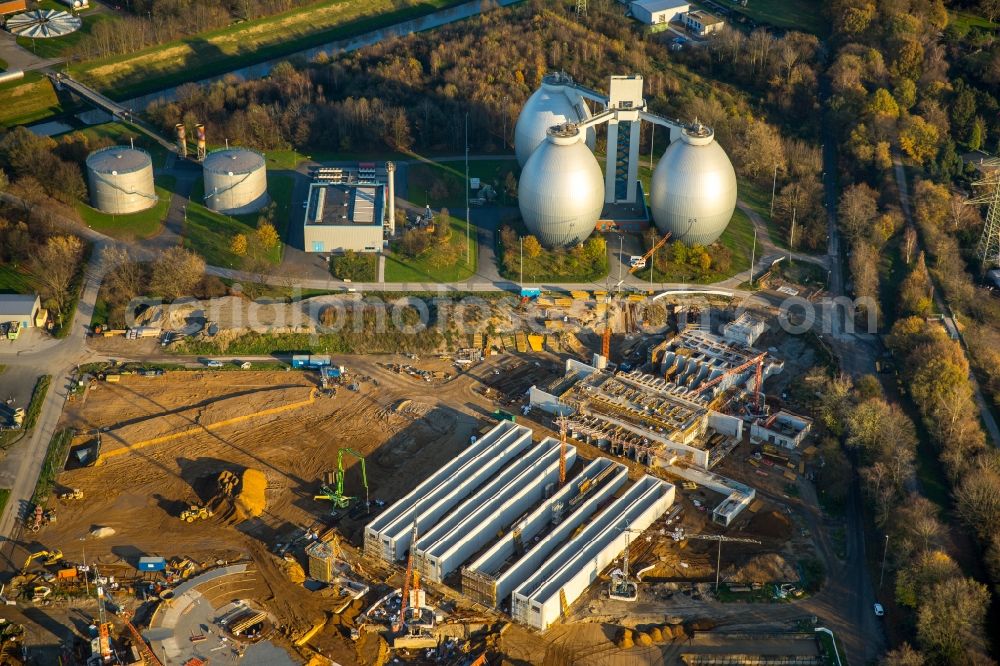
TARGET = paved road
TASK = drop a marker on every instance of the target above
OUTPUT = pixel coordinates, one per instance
(984, 411)
(59, 359)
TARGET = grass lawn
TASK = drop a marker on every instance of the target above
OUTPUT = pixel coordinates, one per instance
(428, 268)
(27, 100)
(289, 159)
(57, 47)
(143, 224)
(209, 233)
(54, 459)
(968, 20)
(241, 44)
(421, 178)
(14, 280)
(803, 15)
(122, 133)
(356, 266)
(738, 238)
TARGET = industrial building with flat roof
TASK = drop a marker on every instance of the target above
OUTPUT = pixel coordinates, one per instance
(506, 484)
(20, 308)
(346, 209)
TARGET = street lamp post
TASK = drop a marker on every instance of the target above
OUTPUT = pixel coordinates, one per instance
(774, 185)
(468, 258)
(522, 261)
(753, 255)
(621, 260)
(885, 552)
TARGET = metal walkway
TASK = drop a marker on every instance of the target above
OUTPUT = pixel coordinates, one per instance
(63, 82)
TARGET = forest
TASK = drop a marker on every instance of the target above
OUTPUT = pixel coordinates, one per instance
(911, 91)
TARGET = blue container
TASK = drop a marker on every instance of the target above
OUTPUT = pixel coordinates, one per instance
(152, 564)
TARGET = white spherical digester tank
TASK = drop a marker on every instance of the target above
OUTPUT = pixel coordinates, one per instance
(235, 181)
(121, 180)
(555, 103)
(693, 191)
(561, 190)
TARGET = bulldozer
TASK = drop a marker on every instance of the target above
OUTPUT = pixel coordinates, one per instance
(73, 494)
(195, 512)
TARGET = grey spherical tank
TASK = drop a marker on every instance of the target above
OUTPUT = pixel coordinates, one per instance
(555, 103)
(121, 180)
(561, 190)
(693, 190)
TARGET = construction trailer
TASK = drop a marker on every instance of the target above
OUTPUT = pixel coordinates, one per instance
(476, 521)
(496, 573)
(388, 536)
(562, 578)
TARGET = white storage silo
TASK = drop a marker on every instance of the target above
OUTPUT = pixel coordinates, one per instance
(693, 191)
(121, 180)
(561, 190)
(235, 181)
(554, 103)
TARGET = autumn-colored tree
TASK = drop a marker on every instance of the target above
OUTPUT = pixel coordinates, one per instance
(238, 245)
(532, 248)
(53, 265)
(267, 236)
(176, 273)
(950, 621)
(857, 209)
(883, 105)
(919, 139)
(915, 292)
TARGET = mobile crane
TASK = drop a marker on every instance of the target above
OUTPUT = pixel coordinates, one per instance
(606, 337)
(336, 494)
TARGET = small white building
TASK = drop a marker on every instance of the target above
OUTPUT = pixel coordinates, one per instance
(20, 308)
(702, 23)
(658, 13)
(783, 429)
(744, 330)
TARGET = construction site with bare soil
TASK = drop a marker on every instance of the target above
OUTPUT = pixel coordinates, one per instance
(488, 505)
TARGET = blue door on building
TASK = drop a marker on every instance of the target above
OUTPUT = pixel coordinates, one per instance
(318, 246)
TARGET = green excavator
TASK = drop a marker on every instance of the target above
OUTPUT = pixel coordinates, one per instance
(336, 494)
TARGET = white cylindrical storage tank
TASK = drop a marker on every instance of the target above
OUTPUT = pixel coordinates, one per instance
(561, 190)
(555, 103)
(235, 181)
(121, 180)
(693, 191)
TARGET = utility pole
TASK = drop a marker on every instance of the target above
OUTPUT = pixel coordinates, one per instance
(774, 186)
(753, 255)
(791, 235)
(885, 552)
(468, 257)
(652, 142)
(621, 260)
(522, 261)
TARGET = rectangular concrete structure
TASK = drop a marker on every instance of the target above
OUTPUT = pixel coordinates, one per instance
(388, 536)
(563, 577)
(477, 521)
(490, 581)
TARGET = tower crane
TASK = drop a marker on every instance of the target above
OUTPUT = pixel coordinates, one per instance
(757, 361)
(719, 538)
(621, 587)
(406, 580)
(562, 451)
(336, 494)
(104, 597)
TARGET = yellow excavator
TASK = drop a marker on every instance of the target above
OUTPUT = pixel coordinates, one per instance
(50, 558)
(195, 512)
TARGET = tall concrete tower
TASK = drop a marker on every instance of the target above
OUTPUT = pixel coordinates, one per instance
(622, 172)
(390, 170)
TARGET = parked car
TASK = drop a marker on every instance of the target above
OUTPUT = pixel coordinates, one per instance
(213, 364)
(879, 611)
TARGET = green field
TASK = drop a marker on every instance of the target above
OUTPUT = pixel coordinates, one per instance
(241, 44)
(27, 100)
(423, 178)
(968, 20)
(143, 224)
(291, 158)
(738, 238)
(124, 134)
(58, 47)
(54, 457)
(803, 15)
(209, 233)
(14, 280)
(426, 268)
(759, 199)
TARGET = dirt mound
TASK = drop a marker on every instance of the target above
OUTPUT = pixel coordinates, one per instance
(766, 568)
(770, 524)
(240, 497)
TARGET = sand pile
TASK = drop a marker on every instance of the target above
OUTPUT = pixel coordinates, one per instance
(240, 497)
(766, 568)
